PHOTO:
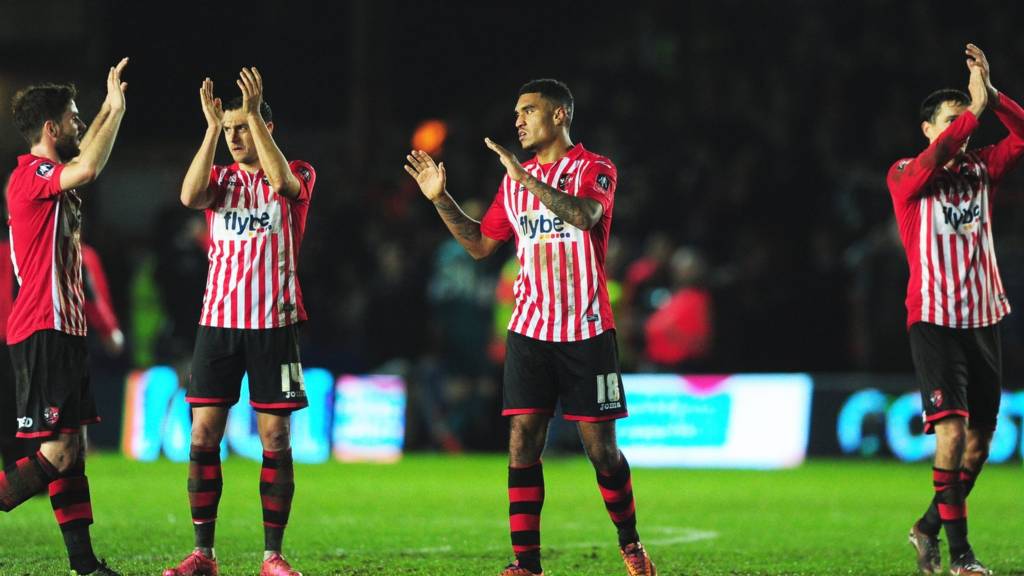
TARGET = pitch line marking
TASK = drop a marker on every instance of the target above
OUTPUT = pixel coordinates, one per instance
(670, 535)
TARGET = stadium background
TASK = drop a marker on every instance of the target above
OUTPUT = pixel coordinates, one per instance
(752, 140)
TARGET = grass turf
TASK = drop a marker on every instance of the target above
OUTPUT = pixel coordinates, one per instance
(447, 515)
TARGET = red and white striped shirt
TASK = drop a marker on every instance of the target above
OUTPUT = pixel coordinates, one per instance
(255, 236)
(945, 220)
(561, 293)
(46, 230)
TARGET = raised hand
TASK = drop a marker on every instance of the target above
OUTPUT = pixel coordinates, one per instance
(251, 84)
(508, 160)
(115, 87)
(976, 59)
(977, 85)
(430, 177)
(213, 110)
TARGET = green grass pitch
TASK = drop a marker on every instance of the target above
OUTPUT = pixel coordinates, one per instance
(446, 516)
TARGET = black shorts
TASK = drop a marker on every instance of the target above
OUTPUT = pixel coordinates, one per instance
(270, 357)
(959, 371)
(52, 389)
(584, 376)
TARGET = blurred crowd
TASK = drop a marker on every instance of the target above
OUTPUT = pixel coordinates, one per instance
(752, 227)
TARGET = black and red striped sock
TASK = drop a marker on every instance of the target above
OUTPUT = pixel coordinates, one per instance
(617, 491)
(205, 485)
(277, 488)
(930, 523)
(24, 479)
(950, 500)
(525, 501)
(72, 506)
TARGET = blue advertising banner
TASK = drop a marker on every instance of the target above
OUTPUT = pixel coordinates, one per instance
(734, 421)
(361, 417)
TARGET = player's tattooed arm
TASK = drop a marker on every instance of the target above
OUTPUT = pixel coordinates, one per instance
(196, 192)
(273, 162)
(583, 213)
(464, 228)
(431, 179)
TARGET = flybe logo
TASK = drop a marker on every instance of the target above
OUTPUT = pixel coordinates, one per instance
(241, 223)
(962, 219)
(541, 226)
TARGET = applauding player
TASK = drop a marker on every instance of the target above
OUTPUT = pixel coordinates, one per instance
(256, 210)
(561, 340)
(955, 298)
(46, 328)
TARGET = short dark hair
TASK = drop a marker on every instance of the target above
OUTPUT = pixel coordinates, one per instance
(554, 90)
(265, 111)
(33, 106)
(934, 101)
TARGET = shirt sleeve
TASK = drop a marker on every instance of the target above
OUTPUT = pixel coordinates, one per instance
(598, 183)
(1002, 156)
(218, 190)
(907, 178)
(306, 177)
(495, 223)
(43, 180)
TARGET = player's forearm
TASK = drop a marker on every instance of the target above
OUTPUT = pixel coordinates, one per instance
(272, 160)
(465, 230)
(949, 143)
(582, 213)
(93, 158)
(195, 190)
(98, 121)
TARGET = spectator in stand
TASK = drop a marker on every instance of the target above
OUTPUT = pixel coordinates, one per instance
(679, 333)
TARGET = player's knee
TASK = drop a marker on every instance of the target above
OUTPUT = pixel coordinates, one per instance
(524, 451)
(526, 442)
(206, 435)
(275, 439)
(604, 456)
(975, 456)
(62, 454)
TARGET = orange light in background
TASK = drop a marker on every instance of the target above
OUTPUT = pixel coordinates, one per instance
(429, 136)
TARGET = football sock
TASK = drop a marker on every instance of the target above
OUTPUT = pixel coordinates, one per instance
(525, 500)
(949, 494)
(205, 485)
(277, 487)
(617, 491)
(930, 523)
(24, 479)
(72, 506)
